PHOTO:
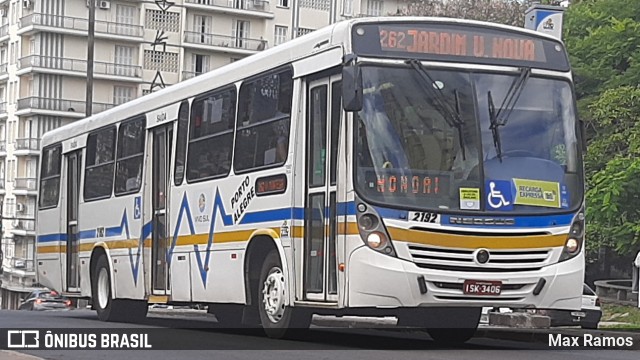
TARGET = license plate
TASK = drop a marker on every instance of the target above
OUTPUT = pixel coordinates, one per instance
(479, 287)
(578, 313)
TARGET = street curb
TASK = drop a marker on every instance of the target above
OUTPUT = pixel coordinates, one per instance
(13, 355)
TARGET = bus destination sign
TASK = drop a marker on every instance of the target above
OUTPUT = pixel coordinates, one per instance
(460, 43)
(415, 40)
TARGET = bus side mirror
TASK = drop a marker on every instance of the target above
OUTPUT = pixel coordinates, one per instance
(351, 88)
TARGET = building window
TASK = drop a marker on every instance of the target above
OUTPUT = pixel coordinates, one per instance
(347, 7)
(280, 35)
(202, 29)
(162, 20)
(374, 7)
(211, 135)
(233, 59)
(303, 31)
(130, 156)
(283, 3)
(98, 175)
(240, 32)
(322, 5)
(264, 114)
(161, 60)
(124, 61)
(50, 176)
(122, 94)
(199, 63)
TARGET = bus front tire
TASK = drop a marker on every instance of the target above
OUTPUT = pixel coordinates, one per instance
(108, 309)
(278, 320)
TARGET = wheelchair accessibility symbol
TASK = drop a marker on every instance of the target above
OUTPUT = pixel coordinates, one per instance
(499, 196)
(137, 207)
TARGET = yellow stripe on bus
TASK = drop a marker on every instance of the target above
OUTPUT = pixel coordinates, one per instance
(474, 242)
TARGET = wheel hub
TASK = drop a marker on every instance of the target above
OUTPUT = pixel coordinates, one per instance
(274, 295)
(103, 288)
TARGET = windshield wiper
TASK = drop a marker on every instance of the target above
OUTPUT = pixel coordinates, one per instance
(501, 117)
(450, 115)
(495, 132)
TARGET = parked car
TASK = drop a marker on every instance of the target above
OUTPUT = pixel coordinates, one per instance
(45, 300)
(588, 317)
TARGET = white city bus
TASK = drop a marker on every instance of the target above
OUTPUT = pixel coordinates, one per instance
(414, 167)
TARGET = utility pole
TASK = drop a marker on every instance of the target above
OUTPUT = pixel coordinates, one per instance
(90, 50)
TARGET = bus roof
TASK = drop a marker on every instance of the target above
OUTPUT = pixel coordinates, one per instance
(327, 37)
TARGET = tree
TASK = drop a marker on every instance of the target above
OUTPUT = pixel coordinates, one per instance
(604, 48)
(510, 12)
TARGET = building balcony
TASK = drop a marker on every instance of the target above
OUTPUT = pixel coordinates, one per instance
(78, 67)
(190, 74)
(57, 107)
(37, 22)
(252, 8)
(4, 75)
(20, 266)
(4, 33)
(27, 147)
(3, 110)
(227, 44)
(23, 185)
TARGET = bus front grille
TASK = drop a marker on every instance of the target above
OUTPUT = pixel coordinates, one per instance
(439, 258)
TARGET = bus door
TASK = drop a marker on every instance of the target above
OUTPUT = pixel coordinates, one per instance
(321, 219)
(73, 162)
(160, 159)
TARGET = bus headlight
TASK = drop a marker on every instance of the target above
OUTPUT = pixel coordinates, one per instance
(575, 238)
(372, 230)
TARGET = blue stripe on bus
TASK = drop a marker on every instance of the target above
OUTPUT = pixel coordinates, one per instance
(87, 234)
(52, 238)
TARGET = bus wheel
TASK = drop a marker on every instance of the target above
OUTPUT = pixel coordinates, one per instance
(464, 322)
(109, 309)
(278, 320)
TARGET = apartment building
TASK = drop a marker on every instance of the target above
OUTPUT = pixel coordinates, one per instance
(140, 46)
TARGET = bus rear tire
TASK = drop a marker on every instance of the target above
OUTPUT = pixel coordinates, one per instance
(108, 309)
(278, 320)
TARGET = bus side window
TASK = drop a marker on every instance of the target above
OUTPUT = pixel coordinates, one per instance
(181, 143)
(211, 135)
(264, 119)
(98, 177)
(50, 176)
(130, 156)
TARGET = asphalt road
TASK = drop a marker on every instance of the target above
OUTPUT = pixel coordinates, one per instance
(318, 343)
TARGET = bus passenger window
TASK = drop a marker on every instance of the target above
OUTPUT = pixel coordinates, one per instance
(130, 156)
(264, 118)
(98, 177)
(211, 135)
(50, 176)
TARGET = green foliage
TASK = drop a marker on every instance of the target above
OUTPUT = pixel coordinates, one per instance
(613, 171)
(603, 40)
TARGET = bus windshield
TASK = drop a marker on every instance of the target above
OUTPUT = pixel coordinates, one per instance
(411, 155)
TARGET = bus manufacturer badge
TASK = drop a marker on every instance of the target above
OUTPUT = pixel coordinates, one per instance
(202, 202)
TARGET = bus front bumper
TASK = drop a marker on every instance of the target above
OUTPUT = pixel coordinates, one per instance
(377, 280)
